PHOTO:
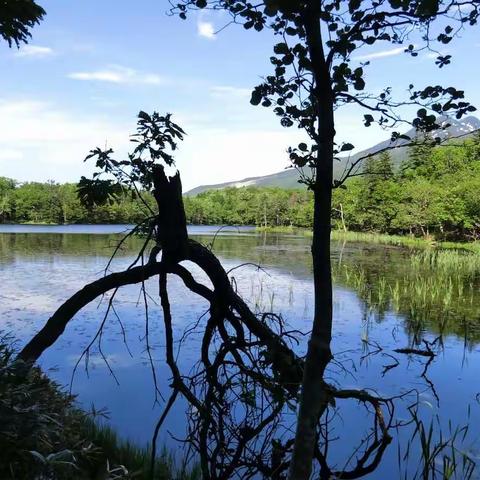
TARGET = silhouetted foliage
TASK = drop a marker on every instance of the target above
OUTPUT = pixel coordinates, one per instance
(247, 378)
(315, 72)
(17, 17)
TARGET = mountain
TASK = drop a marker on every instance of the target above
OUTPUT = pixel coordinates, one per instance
(285, 179)
(289, 178)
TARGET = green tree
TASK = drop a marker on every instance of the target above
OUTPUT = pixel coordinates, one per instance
(70, 207)
(378, 198)
(424, 205)
(36, 202)
(418, 161)
(473, 148)
(7, 188)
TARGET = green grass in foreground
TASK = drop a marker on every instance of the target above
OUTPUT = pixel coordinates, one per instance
(126, 453)
(43, 434)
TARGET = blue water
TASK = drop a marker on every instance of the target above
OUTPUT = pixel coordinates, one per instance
(38, 272)
(106, 229)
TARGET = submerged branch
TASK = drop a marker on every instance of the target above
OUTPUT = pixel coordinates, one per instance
(247, 374)
(57, 323)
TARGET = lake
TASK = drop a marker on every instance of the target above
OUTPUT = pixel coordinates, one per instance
(384, 296)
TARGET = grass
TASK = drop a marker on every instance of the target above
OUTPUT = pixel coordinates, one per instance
(439, 455)
(448, 262)
(384, 239)
(404, 241)
(380, 238)
(433, 289)
(43, 434)
(433, 283)
(285, 229)
(125, 453)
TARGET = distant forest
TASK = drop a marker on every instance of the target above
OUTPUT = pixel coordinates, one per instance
(435, 191)
(50, 202)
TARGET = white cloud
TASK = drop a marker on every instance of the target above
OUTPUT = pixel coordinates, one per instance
(222, 91)
(120, 75)
(206, 29)
(40, 141)
(214, 155)
(382, 54)
(10, 154)
(34, 51)
(51, 142)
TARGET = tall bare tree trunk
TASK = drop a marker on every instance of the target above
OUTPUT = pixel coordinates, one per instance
(314, 398)
(342, 218)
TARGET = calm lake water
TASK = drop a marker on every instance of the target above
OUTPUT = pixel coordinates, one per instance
(384, 295)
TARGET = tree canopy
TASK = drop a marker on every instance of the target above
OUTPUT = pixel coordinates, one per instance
(17, 18)
(434, 191)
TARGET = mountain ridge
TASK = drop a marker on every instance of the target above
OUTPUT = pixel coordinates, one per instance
(289, 177)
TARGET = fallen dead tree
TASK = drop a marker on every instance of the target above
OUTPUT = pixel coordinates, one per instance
(247, 376)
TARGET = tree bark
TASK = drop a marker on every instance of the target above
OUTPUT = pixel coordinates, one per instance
(314, 396)
(171, 232)
(343, 218)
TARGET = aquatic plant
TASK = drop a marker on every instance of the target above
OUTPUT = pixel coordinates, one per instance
(432, 288)
(438, 455)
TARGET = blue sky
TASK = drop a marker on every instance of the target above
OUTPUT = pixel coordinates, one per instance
(92, 65)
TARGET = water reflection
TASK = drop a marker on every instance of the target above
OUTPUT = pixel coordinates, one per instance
(384, 295)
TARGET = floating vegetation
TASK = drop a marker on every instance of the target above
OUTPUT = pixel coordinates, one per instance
(383, 239)
(448, 262)
(409, 241)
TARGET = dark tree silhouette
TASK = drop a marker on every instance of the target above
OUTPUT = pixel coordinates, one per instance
(248, 375)
(17, 17)
(315, 73)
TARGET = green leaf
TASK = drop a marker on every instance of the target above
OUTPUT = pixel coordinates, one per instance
(144, 116)
(281, 49)
(422, 113)
(38, 456)
(359, 84)
(270, 10)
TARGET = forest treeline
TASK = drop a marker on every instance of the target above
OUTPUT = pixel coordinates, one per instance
(50, 202)
(436, 191)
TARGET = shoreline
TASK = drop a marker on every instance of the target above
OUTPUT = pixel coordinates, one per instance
(47, 433)
(409, 241)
